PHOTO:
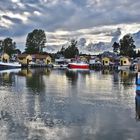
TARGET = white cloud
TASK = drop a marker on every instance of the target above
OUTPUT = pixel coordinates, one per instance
(5, 23)
(94, 34)
(37, 13)
(15, 1)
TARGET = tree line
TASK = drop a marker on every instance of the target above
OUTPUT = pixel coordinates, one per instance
(8, 46)
(36, 41)
(126, 47)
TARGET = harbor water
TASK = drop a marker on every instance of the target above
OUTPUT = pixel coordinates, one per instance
(62, 104)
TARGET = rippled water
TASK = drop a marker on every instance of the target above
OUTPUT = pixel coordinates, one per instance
(43, 104)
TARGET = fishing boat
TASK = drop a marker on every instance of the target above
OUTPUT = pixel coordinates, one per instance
(9, 65)
(78, 65)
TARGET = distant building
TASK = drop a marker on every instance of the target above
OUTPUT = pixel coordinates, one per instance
(5, 57)
(125, 61)
(41, 59)
(105, 61)
(84, 58)
(24, 58)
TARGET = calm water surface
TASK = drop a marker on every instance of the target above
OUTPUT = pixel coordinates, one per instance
(43, 104)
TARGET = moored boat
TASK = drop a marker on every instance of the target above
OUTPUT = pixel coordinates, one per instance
(78, 65)
(60, 65)
(126, 67)
(9, 65)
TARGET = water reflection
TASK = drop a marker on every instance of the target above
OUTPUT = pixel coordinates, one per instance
(137, 101)
(15, 129)
(63, 104)
(72, 76)
(127, 78)
(25, 72)
(36, 82)
(107, 72)
(116, 77)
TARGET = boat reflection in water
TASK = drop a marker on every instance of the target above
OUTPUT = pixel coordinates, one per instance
(73, 74)
(76, 70)
(7, 76)
(10, 70)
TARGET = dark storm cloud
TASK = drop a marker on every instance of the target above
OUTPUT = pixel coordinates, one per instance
(13, 20)
(69, 15)
(31, 1)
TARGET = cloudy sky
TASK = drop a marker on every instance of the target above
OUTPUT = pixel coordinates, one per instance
(95, 20)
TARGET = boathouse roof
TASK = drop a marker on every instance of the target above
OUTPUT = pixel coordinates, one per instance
(22, 55)
(40, 56)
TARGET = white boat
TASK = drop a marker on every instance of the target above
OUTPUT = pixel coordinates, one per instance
(126, 67)
(9, 65)
(60, 65)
